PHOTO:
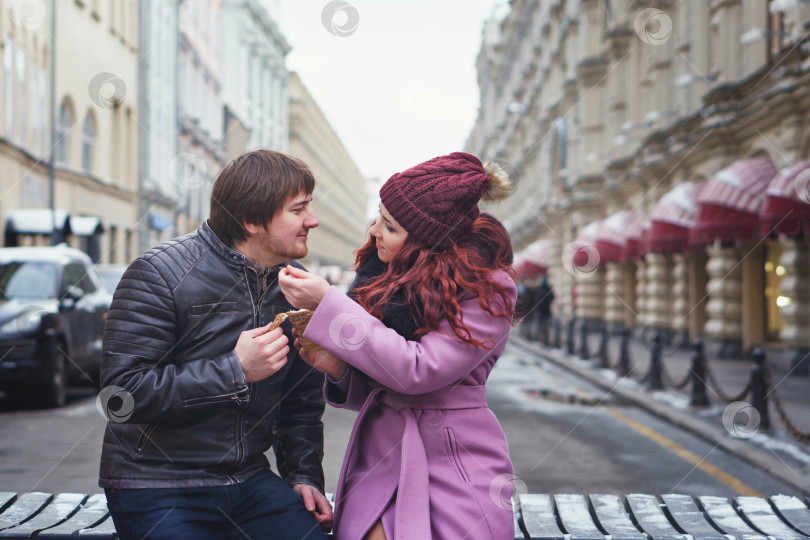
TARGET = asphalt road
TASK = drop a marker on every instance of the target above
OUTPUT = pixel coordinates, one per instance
(594, 445)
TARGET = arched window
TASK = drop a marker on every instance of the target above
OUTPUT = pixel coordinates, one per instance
(63, 132)
(88, 142)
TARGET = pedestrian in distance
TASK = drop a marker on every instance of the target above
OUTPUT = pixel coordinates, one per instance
(205, 387)
(411, 347)
(544, 295)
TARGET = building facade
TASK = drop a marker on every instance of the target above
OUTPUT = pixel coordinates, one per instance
(82, 117)
(254, 73)
(201, 114)
(340, 198)
(661, 151)
(159, 196)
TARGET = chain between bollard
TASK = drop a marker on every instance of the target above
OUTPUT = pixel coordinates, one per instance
(794, 431)
(719, 391)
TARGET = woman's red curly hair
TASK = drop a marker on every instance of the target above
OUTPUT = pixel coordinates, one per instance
(433, 279)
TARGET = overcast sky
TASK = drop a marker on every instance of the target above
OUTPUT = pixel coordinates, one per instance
(399, 86)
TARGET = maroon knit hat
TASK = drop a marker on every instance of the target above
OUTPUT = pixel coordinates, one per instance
(437, 201)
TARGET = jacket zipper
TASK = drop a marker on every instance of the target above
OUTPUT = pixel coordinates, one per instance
(252, 387)
(145, 438)
(215, 399)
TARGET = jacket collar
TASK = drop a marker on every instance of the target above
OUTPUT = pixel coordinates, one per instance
(227, 254)
(230, 255)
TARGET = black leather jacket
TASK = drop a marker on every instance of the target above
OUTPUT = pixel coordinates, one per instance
(169, 344)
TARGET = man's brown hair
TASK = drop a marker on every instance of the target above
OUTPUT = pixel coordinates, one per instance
(253, 188)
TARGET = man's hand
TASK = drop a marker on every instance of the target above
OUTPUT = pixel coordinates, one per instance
(322, 360)
(302, 289)
(316, 504)
(261, 352)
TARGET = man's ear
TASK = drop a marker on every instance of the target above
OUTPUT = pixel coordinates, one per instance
(251, 228)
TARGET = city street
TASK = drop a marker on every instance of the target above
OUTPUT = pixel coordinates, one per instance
(594, 445)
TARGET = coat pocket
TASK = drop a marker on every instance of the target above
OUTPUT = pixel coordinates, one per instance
(217, 308)
(451, 445)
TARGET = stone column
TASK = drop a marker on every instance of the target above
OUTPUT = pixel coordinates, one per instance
(680, 294)
(659, 289)
(796, 286)
(615, 294)
(591, 295)
(724, 308)
(641, 292)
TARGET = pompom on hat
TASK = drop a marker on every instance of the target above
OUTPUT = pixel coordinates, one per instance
(437, 201)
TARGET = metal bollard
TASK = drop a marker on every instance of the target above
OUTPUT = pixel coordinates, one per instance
(699, 396)
(584, 351)
(759, 389)
(569, 336)
(624, 352)
(604, 355)
(656, 380)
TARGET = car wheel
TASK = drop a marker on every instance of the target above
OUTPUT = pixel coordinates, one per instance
(56, 383)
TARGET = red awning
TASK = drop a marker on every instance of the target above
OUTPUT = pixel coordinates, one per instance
(631, 248)
(581, 256)
(728, 208)
(671, 218)
(786, 209)
(612, 234)
(534, 260)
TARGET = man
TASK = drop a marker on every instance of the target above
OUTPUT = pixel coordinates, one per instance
(196, 386)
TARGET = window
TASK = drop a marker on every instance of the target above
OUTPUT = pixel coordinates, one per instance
(774, 32)
(22, 105)
(8, 64)
(88, 140)
(33, 74)
(63, 133)
(43, 114)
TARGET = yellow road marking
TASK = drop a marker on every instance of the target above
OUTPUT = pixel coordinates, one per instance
(732, 482)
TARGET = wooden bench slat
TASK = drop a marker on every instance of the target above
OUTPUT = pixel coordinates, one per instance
(62, 505)
(648, 514)
(576, 517)
(515, 511)
(613, 517)
(725, 517)
(794, 511)
(762, 516)
(25, 506)
(6, 498)
(91, 513)
(686, 515)
(103, 531)
(538, 517)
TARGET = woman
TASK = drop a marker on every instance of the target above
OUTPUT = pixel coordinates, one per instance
(411, 347)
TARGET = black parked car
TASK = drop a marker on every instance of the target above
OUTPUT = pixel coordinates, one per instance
(52, 314)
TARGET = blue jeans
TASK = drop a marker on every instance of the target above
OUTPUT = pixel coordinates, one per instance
(263, 507)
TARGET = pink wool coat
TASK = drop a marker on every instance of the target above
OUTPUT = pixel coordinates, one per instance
(426, 454)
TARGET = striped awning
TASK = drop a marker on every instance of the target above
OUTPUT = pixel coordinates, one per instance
(631, 249)
(612, 235)
(671, 219)
(729, 206)
(786, 209)
(534, 260)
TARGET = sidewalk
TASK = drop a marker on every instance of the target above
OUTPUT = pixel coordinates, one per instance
(774, 450)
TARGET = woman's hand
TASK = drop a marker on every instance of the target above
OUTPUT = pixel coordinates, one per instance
(322, 360)
(301, 288)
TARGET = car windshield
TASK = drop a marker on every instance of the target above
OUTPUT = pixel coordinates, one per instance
(28, 280)
(110, 278)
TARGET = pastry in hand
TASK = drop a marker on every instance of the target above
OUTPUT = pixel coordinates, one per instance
(299, 320)
(280, 318)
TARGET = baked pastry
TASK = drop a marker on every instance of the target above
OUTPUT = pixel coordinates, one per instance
(280, 318)
(299, 320)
